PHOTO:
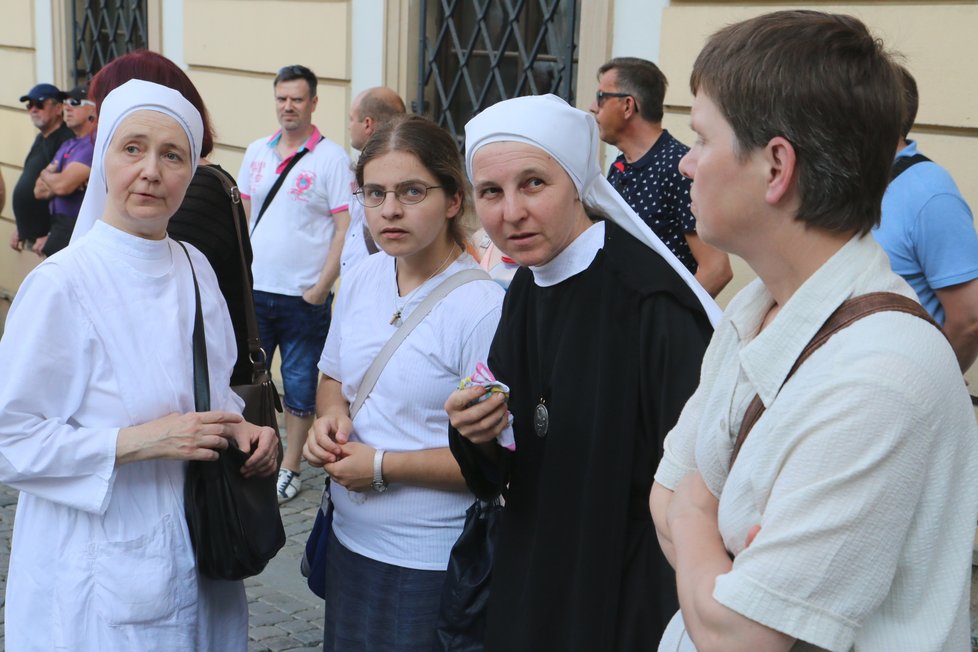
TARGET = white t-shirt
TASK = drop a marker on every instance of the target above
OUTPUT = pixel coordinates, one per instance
(862, 472)
(292, 240)
(407, 526)
(354, 248)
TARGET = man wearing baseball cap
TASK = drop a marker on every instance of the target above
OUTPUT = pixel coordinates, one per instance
(63, 181)
(43, 104)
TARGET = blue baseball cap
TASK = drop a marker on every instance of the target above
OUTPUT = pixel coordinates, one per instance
(42, 92)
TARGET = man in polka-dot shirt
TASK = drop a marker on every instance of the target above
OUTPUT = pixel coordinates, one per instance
(628, 109)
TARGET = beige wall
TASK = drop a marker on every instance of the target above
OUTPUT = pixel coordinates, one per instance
(235, 76)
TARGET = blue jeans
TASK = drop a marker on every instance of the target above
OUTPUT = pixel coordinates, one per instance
(299, 329)
(376, 607)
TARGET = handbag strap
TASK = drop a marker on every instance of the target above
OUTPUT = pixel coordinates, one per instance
(278, 184)
(417, 316)
(256, 354)
(202, 387)
(850, 311)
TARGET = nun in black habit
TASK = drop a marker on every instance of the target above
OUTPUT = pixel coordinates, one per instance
(600, 341)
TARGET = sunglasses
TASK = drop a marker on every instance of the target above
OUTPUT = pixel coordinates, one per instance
(40, 104)
(602, 95)
(73, 102)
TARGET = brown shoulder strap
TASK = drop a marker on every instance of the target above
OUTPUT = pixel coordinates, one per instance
(850, 311)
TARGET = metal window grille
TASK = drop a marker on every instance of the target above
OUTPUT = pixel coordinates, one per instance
(475, 53)
(104, 29)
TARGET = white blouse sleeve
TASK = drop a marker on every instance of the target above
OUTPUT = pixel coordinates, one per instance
(330, 363)
(49, 352)
(475, 347)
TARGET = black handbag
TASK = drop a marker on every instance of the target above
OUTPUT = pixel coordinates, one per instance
(234, 522)
(465, 596)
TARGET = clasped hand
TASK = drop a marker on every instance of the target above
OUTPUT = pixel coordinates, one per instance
(349, 463)
(199, 436)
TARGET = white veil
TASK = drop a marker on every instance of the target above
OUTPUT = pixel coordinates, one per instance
(570, 136)
(134, 95)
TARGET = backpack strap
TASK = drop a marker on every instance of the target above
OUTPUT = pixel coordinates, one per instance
(904, 163)
(850, 311)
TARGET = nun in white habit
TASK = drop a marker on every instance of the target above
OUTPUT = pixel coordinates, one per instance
(600, 341)
(97, 416)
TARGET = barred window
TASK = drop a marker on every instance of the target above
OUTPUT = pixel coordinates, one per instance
(478, 52)
(104, 29)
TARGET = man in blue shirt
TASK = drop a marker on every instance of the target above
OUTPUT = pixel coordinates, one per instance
(928, 232)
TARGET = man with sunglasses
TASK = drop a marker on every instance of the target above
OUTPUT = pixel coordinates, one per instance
(43, 104)
(628, 109)
(62, 183)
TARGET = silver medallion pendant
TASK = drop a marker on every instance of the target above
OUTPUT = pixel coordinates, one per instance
(541, 420)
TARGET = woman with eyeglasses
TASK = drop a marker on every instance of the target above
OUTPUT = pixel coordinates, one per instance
(398, 495)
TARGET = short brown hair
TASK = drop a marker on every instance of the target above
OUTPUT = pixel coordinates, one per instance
(911, 100)
(438, 153)
(825, 84)
(291, 73)
(642, 80)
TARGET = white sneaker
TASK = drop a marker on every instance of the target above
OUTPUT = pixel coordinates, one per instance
(288, 485)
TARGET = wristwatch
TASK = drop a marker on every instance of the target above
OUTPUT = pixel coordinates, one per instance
(378, 484)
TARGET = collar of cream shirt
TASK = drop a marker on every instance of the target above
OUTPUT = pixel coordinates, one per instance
(766, 358)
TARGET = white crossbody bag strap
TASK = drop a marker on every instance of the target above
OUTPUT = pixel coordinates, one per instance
(417, 316)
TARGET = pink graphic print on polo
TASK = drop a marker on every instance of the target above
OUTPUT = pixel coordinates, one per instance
(304, 181)
(257, 172)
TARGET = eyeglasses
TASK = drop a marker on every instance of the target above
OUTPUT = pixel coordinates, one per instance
(407, 193)
(602, 95)
(40, 104)
(73, 102)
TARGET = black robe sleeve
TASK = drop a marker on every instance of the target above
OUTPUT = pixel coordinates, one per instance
(672, 346)
(486, 478)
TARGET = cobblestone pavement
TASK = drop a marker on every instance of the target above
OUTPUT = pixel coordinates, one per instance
(283, 613)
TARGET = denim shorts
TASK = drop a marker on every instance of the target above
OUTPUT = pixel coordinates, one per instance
(376, 607)
(299, 330)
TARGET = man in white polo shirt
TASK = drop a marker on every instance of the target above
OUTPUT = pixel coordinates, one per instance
(296, 188)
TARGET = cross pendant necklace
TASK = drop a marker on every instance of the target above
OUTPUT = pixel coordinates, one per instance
(396, 317)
